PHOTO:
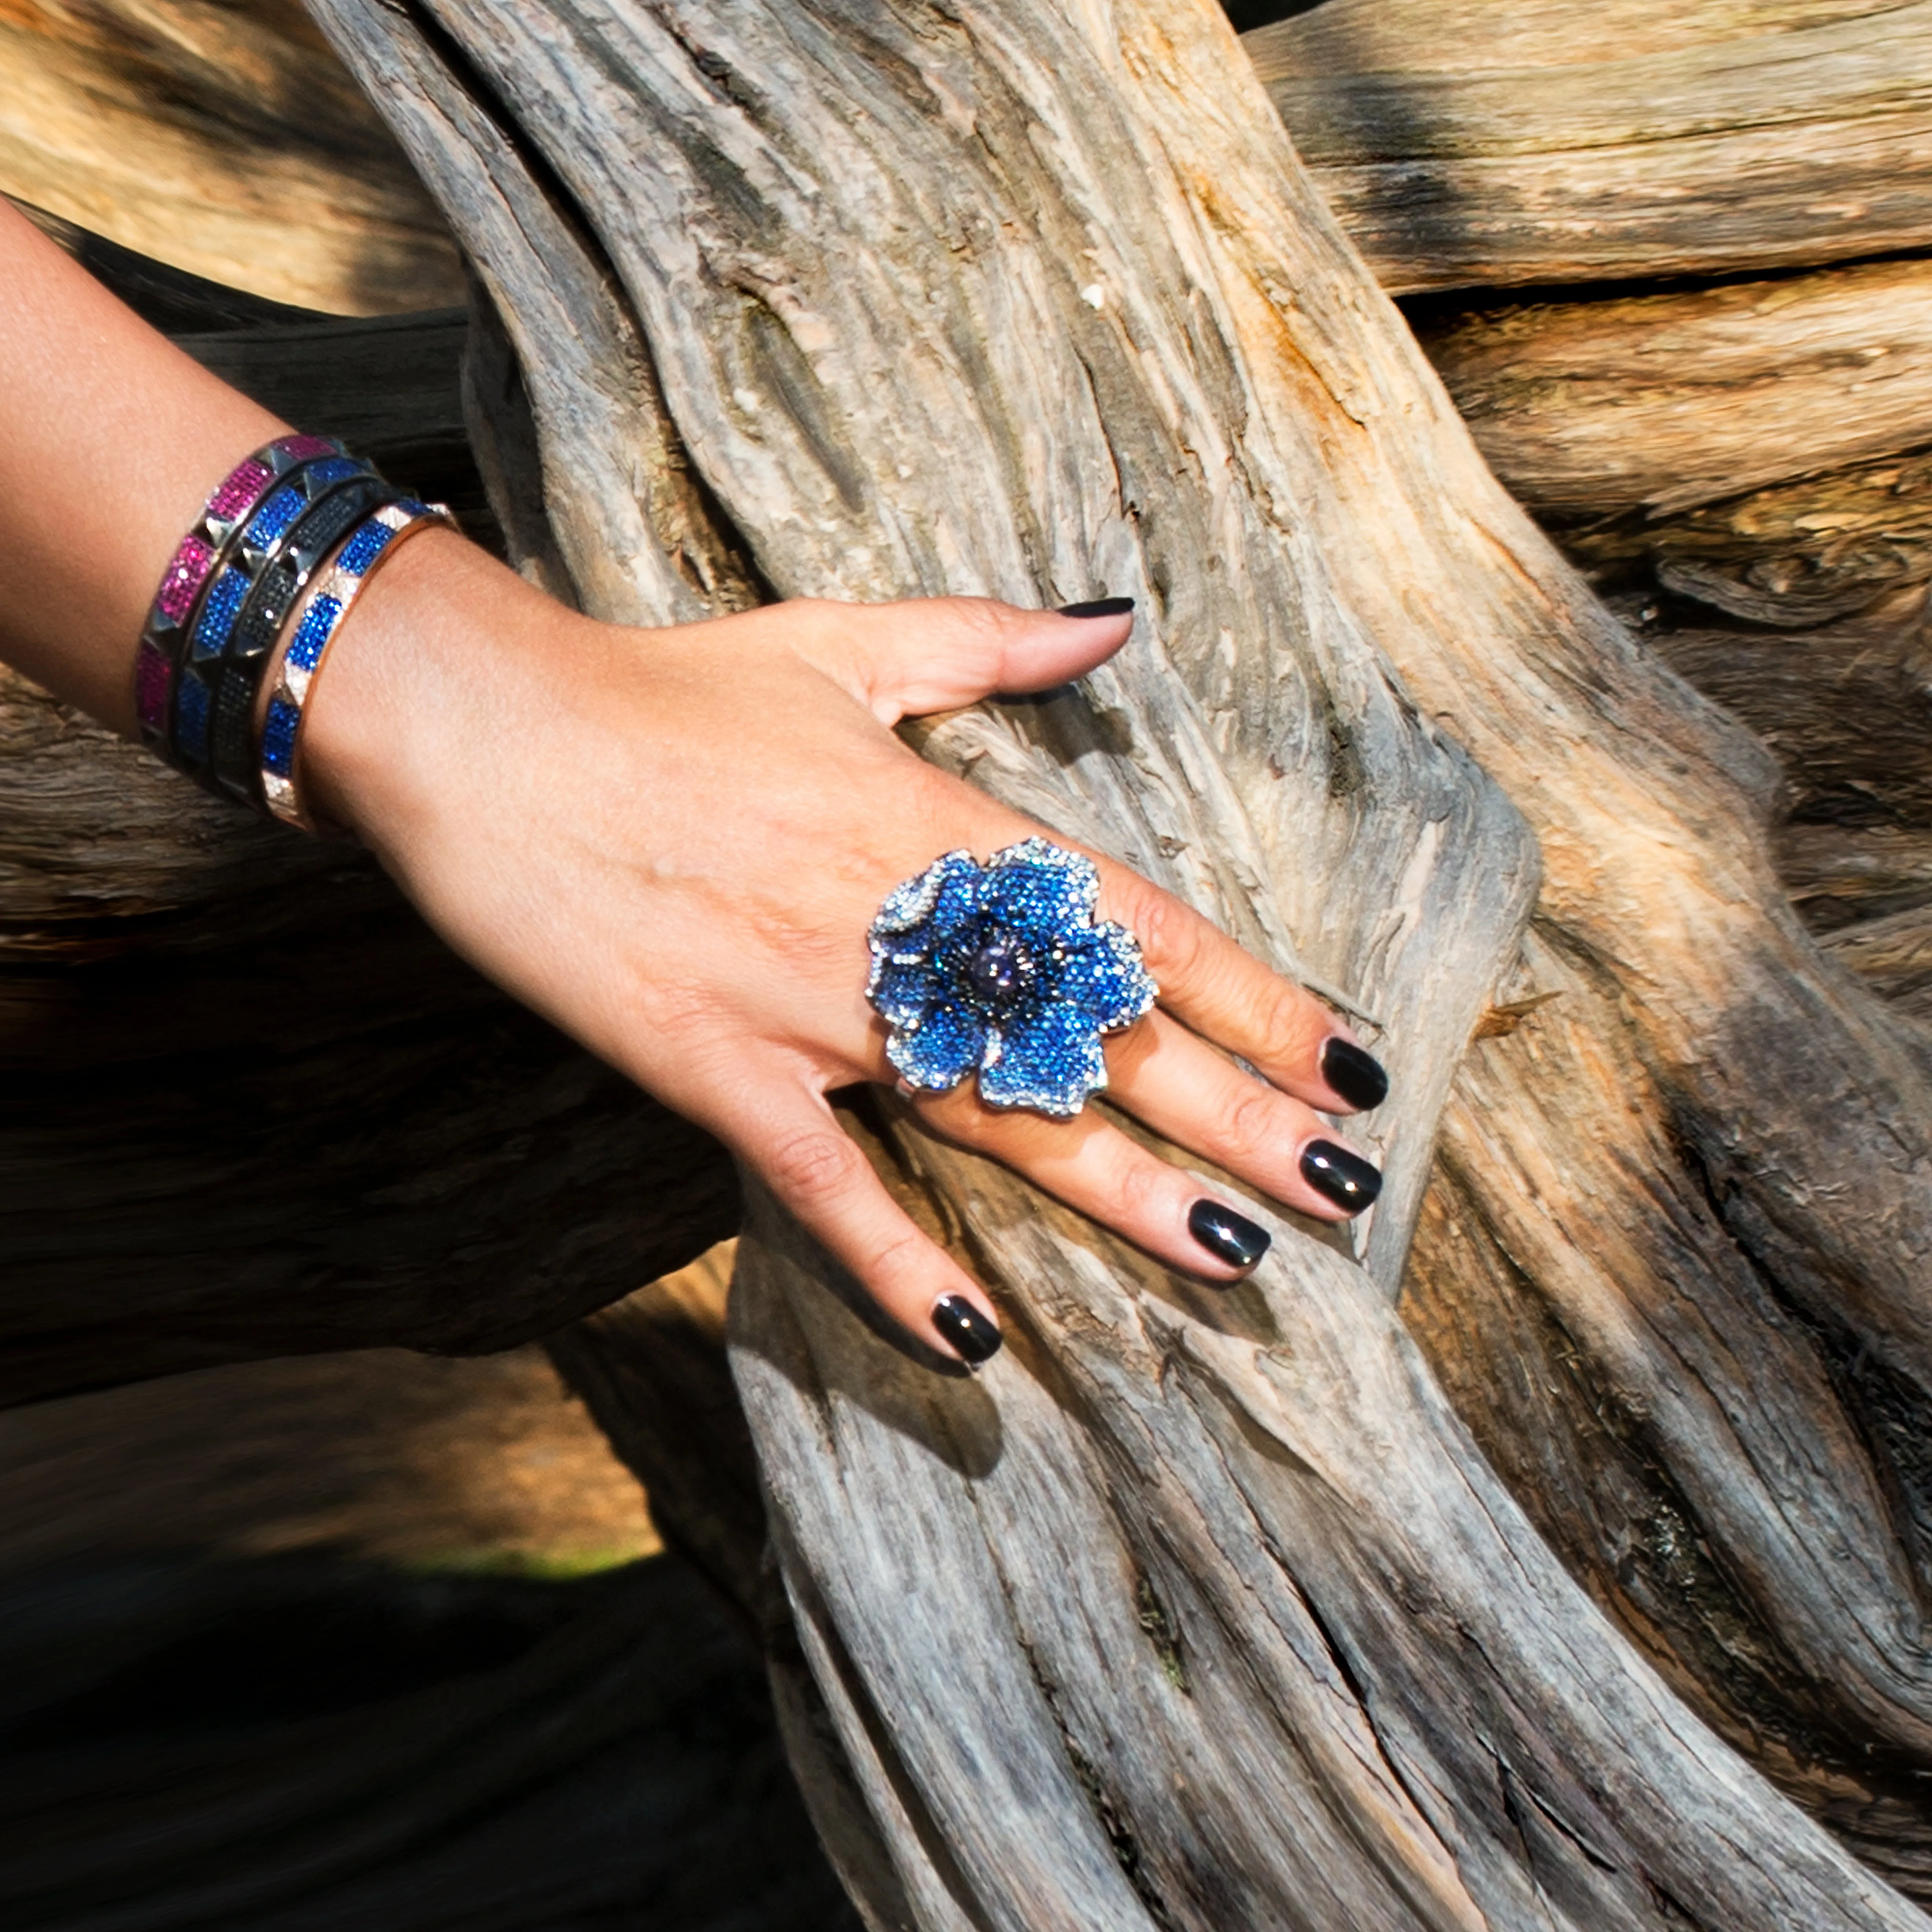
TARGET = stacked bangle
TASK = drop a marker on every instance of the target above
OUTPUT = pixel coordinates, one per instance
(184, 584)
(369, 544)
(227, 596)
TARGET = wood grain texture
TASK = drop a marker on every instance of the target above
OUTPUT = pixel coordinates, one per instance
(1462, 145)
(1792, 556)
(1847, 709)
(1657, 403)
(224, 139)
(919, 321)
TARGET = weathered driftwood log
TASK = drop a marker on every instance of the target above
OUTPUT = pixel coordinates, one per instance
(1201, 1610)
(1466, 145)
(224, 140)
(1842, 875)
(1761, 446)
(1791, 556)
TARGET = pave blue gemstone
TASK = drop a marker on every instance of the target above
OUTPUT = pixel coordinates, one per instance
(1034, 893)
(1055, 1055)
(1103, 975)
(939, 1052)
(305, 647)
(278, 737)
(218, 611)
(332, 470)
(363, 548)
(271, 522)
(1001, 968)
(191, 704)
(904, 993)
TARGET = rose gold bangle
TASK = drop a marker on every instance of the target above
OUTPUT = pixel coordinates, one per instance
(294, 671)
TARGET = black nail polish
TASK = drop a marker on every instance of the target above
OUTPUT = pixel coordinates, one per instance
(1346, 1178)
(1100, 607)
(966, 1328)
(1356, 1076)
(1228, 1236)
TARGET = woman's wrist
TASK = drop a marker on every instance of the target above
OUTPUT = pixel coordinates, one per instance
(419, 688)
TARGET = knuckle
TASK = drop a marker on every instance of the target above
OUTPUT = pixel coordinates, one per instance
(811, 1167)
(1172, 937)
(1283, 1026)
(1253, 1124)
(899, 1258)
(1138, 1189)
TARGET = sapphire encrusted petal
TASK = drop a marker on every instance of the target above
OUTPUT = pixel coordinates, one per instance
(1001, 969)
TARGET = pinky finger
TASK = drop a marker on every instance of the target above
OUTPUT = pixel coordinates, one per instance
(793, 1140)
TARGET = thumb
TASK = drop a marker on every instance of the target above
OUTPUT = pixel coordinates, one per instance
(937, 653)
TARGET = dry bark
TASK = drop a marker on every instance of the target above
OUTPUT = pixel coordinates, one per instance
(1199, 1610)
(1657, 403)
(1792, 556)
(1840, 875)
(1893, 954)
(1463, 146)
(1847, 709)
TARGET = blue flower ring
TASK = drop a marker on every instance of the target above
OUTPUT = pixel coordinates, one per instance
(1002, 969)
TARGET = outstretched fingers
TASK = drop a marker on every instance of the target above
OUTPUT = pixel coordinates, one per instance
(791, 1136)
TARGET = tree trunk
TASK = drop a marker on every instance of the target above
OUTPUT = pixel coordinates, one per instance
(1197, 1609)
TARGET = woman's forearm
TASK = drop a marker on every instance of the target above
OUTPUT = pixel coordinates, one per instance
(110, 439)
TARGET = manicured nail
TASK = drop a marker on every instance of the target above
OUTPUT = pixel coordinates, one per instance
(1101, 607)
(1356, 1076)
(1346, 1178)
(1228, 1236)
(969, 1331)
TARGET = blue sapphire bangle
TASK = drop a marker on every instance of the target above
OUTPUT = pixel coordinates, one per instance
(177, 604)
(236, 676)
(223, 634)
(369, 544)
(1001, 969)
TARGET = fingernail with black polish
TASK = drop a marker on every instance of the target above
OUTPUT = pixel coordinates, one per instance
(1228, 1236)
(1356, 1076)
(1100, 607)
(1346, 1178)
(966, 1328)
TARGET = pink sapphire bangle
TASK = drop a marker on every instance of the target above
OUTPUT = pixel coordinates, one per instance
(184, 583)
(372, 541)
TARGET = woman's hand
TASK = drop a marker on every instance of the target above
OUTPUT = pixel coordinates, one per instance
(672, 843)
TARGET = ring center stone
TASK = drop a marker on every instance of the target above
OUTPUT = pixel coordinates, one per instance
(1000, 971)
